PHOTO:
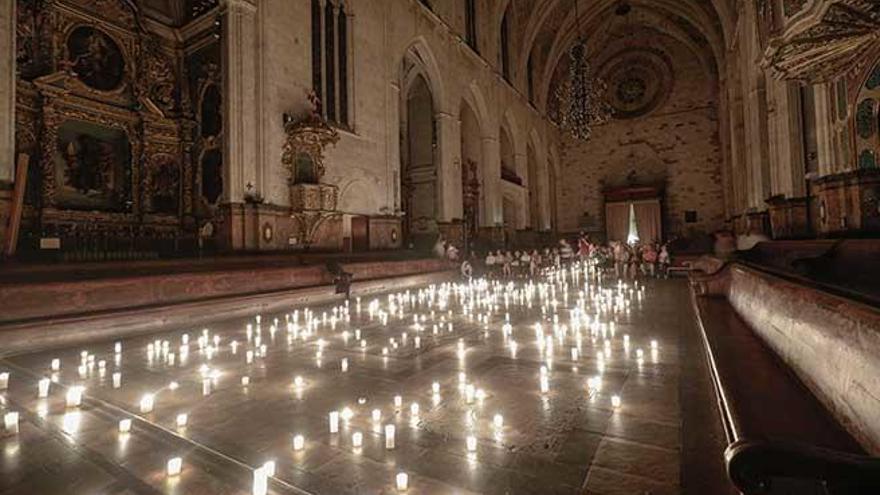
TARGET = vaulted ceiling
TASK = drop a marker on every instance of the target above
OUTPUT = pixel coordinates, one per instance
(546, 29)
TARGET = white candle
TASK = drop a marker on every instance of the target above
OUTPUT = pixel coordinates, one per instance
(469, 393)
(245, 380)
(389, 437)
(402, 482)
(147, 403)
(43, 388)
(261, 482)
(10, 421)
(174, 466)
(344, 365)
(498, 420)
(435, 387)
(357, 439)
(398, 401)
(298, 382)
(74, 396)
(124, 425)
(414, 409)
(4, 380)
(182, 419)
(471, 443)
(615, 401)
(298, 442)
(377, 415)
(334, 421)
(56, 364)
(269, 468)
(117, 347)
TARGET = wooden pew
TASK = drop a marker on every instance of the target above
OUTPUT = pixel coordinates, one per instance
(785, 429)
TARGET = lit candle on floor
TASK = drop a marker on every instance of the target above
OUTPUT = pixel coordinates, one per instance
(344, 365)
(261, 482)
(398, 401)
(498, 420)
(43, 388)
(56, 364)
(615, 401)
(10, 422)
(125, 425)
(402, 482)
(182, 419)
(357, 439)
(269, 468)
(4, 380)
(471, 443)
(147, 403)
(298, 442)
(74, 396)
(377, 415)
(389, 437)
(334, 421)
(174, 466)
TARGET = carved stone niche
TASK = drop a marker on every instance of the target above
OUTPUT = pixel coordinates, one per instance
(303, 156)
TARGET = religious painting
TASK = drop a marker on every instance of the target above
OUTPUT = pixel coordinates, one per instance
(164, 184)
(92, 167)
(95, 58)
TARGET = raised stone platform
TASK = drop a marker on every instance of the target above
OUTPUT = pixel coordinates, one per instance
(46, 306)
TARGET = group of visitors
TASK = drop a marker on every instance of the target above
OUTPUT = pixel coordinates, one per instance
(629, 261)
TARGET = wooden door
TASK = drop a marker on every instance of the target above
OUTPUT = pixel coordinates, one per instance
(360, 234)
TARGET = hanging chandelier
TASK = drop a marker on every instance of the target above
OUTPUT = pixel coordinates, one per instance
(582, 103)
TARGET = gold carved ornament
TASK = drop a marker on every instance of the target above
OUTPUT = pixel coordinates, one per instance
(310, 136)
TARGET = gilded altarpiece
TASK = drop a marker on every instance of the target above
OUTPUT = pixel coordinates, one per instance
(105, 116)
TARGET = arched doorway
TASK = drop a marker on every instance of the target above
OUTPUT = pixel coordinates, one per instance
(419, 169)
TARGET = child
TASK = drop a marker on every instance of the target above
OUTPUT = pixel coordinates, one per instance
(649, 259)
(664, 260)
(490, 264)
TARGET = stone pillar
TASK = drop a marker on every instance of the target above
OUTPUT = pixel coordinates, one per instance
(392, 145)
(521, 158)
(448, 180)
(7, 111)
(240, 39)
(824, 130)
(492, 214)
(787, 137)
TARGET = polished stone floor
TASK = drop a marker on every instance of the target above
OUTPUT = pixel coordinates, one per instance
(565, 385)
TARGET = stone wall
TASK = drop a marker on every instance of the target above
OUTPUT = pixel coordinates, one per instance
(675, 144)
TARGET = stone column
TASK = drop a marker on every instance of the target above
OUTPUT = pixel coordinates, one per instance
(7, 111)
(240, 84)
(824, 130)
(522, 169)
(492, 214)
(392, 146)
(448, 181)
